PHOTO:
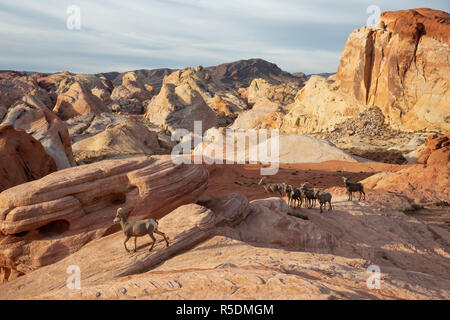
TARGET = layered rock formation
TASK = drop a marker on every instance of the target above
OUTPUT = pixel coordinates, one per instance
(180, 103)
(31, 115)
(226, 103)
(22, 158)
(122, 138)
(319, 106)
(153, 78)
(228, 248)
(264, 114)
(14, 87)
(401, 67)
(75, 99)
(45, 220)
(97, 85)
(133, 86)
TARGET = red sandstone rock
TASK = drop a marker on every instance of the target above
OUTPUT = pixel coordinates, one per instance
(436, 150)
(401, 67)
(46, 220)
(31, 115)
(22, 158)
(75, 99)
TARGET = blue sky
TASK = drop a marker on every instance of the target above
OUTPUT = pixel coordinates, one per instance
(115, 35)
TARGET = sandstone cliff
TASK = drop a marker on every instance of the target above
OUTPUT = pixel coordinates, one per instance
(402, 67)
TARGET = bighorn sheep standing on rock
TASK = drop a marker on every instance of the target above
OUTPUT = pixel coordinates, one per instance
(308, 195)
(138, 229)
(288, 190)
(297, 196)
(293, 194)
(323, 198)
(271, 187)
(354, 187)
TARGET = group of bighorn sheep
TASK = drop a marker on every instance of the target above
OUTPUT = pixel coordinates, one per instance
(296, 197)
(309, 197)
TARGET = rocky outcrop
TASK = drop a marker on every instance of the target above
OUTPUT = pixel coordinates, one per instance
(226, 103)
(319, 107)
(262, 90)
(90, 124)
(75, 99)
(401, 66)
(228, 248)
(46, 220)
(416, 183)
(264, 114)
(98, 86)
(133, 86)
(153, 78)
(436, 150)
(22, 158)
(119, 139)
(31, 115)
(14, 88)
(179, 104)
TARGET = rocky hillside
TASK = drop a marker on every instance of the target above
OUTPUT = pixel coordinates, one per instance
(241, 73)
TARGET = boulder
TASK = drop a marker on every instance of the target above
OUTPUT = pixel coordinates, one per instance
(31, 115)
(436, 150)
(46, 220)
(415, 43)
(22, 158)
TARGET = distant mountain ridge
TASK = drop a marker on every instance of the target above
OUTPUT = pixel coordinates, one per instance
(235, 74)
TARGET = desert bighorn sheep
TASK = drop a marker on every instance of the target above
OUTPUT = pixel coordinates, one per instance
(354, 187)
(323, 198)
(289, 190)
(271, 187)
(308, 195)
(138, 229)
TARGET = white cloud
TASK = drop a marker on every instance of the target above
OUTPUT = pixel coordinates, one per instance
(120, 35)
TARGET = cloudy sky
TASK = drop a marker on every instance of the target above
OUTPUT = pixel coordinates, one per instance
(116, 35)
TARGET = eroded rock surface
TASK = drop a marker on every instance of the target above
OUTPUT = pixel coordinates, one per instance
(388, 66)
(31, 115)
(435, 151)
(22, 158)
(228, 248)
(48, 219)
(122, 138)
